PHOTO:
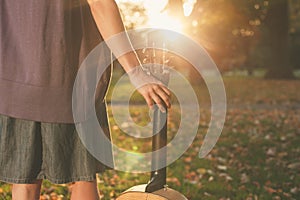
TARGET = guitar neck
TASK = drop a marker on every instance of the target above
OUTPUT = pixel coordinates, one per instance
(159, 140)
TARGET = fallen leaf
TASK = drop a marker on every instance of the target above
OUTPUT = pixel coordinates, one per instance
(245, 178)
(269, 190)
(294, 165)
(222, 167)
(201, 171)
(188, 159)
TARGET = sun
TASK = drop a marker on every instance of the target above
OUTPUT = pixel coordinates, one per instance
(157, 17)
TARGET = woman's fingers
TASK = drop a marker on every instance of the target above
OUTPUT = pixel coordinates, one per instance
(148, 100)
(156, 93)
(158, 102)
(165, 89)
(163, 95)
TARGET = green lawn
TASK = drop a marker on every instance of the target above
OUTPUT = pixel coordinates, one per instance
(256, 157)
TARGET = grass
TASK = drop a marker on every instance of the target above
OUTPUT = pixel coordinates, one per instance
(256, 157)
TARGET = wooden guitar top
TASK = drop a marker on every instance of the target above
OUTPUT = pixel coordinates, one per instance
(138, 193)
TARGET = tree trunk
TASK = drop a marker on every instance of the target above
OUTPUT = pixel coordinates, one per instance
(277, 24)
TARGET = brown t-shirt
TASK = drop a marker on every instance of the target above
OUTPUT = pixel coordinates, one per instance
(42, 44)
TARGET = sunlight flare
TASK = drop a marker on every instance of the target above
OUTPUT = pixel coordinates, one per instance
(188, 7)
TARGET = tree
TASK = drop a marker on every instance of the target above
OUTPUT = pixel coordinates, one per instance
(232, 29)
(277, 22)
(295, 33)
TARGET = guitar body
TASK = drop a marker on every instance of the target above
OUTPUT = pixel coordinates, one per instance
(138, 193)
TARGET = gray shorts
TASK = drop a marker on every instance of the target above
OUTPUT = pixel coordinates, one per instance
(32, 150)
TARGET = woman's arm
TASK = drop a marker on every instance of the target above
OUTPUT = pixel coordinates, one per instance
(107, 16)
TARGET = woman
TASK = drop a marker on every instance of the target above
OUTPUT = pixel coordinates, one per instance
(42, 45)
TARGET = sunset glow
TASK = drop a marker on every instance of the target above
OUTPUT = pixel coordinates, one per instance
(162, 20)
(188, 7)
(157, 17)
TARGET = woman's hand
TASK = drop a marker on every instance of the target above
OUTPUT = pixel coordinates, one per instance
(153, 90)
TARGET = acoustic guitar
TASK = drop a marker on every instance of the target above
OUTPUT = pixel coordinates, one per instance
(156, 188)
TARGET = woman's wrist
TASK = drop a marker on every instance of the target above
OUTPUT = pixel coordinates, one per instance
(129, 61)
